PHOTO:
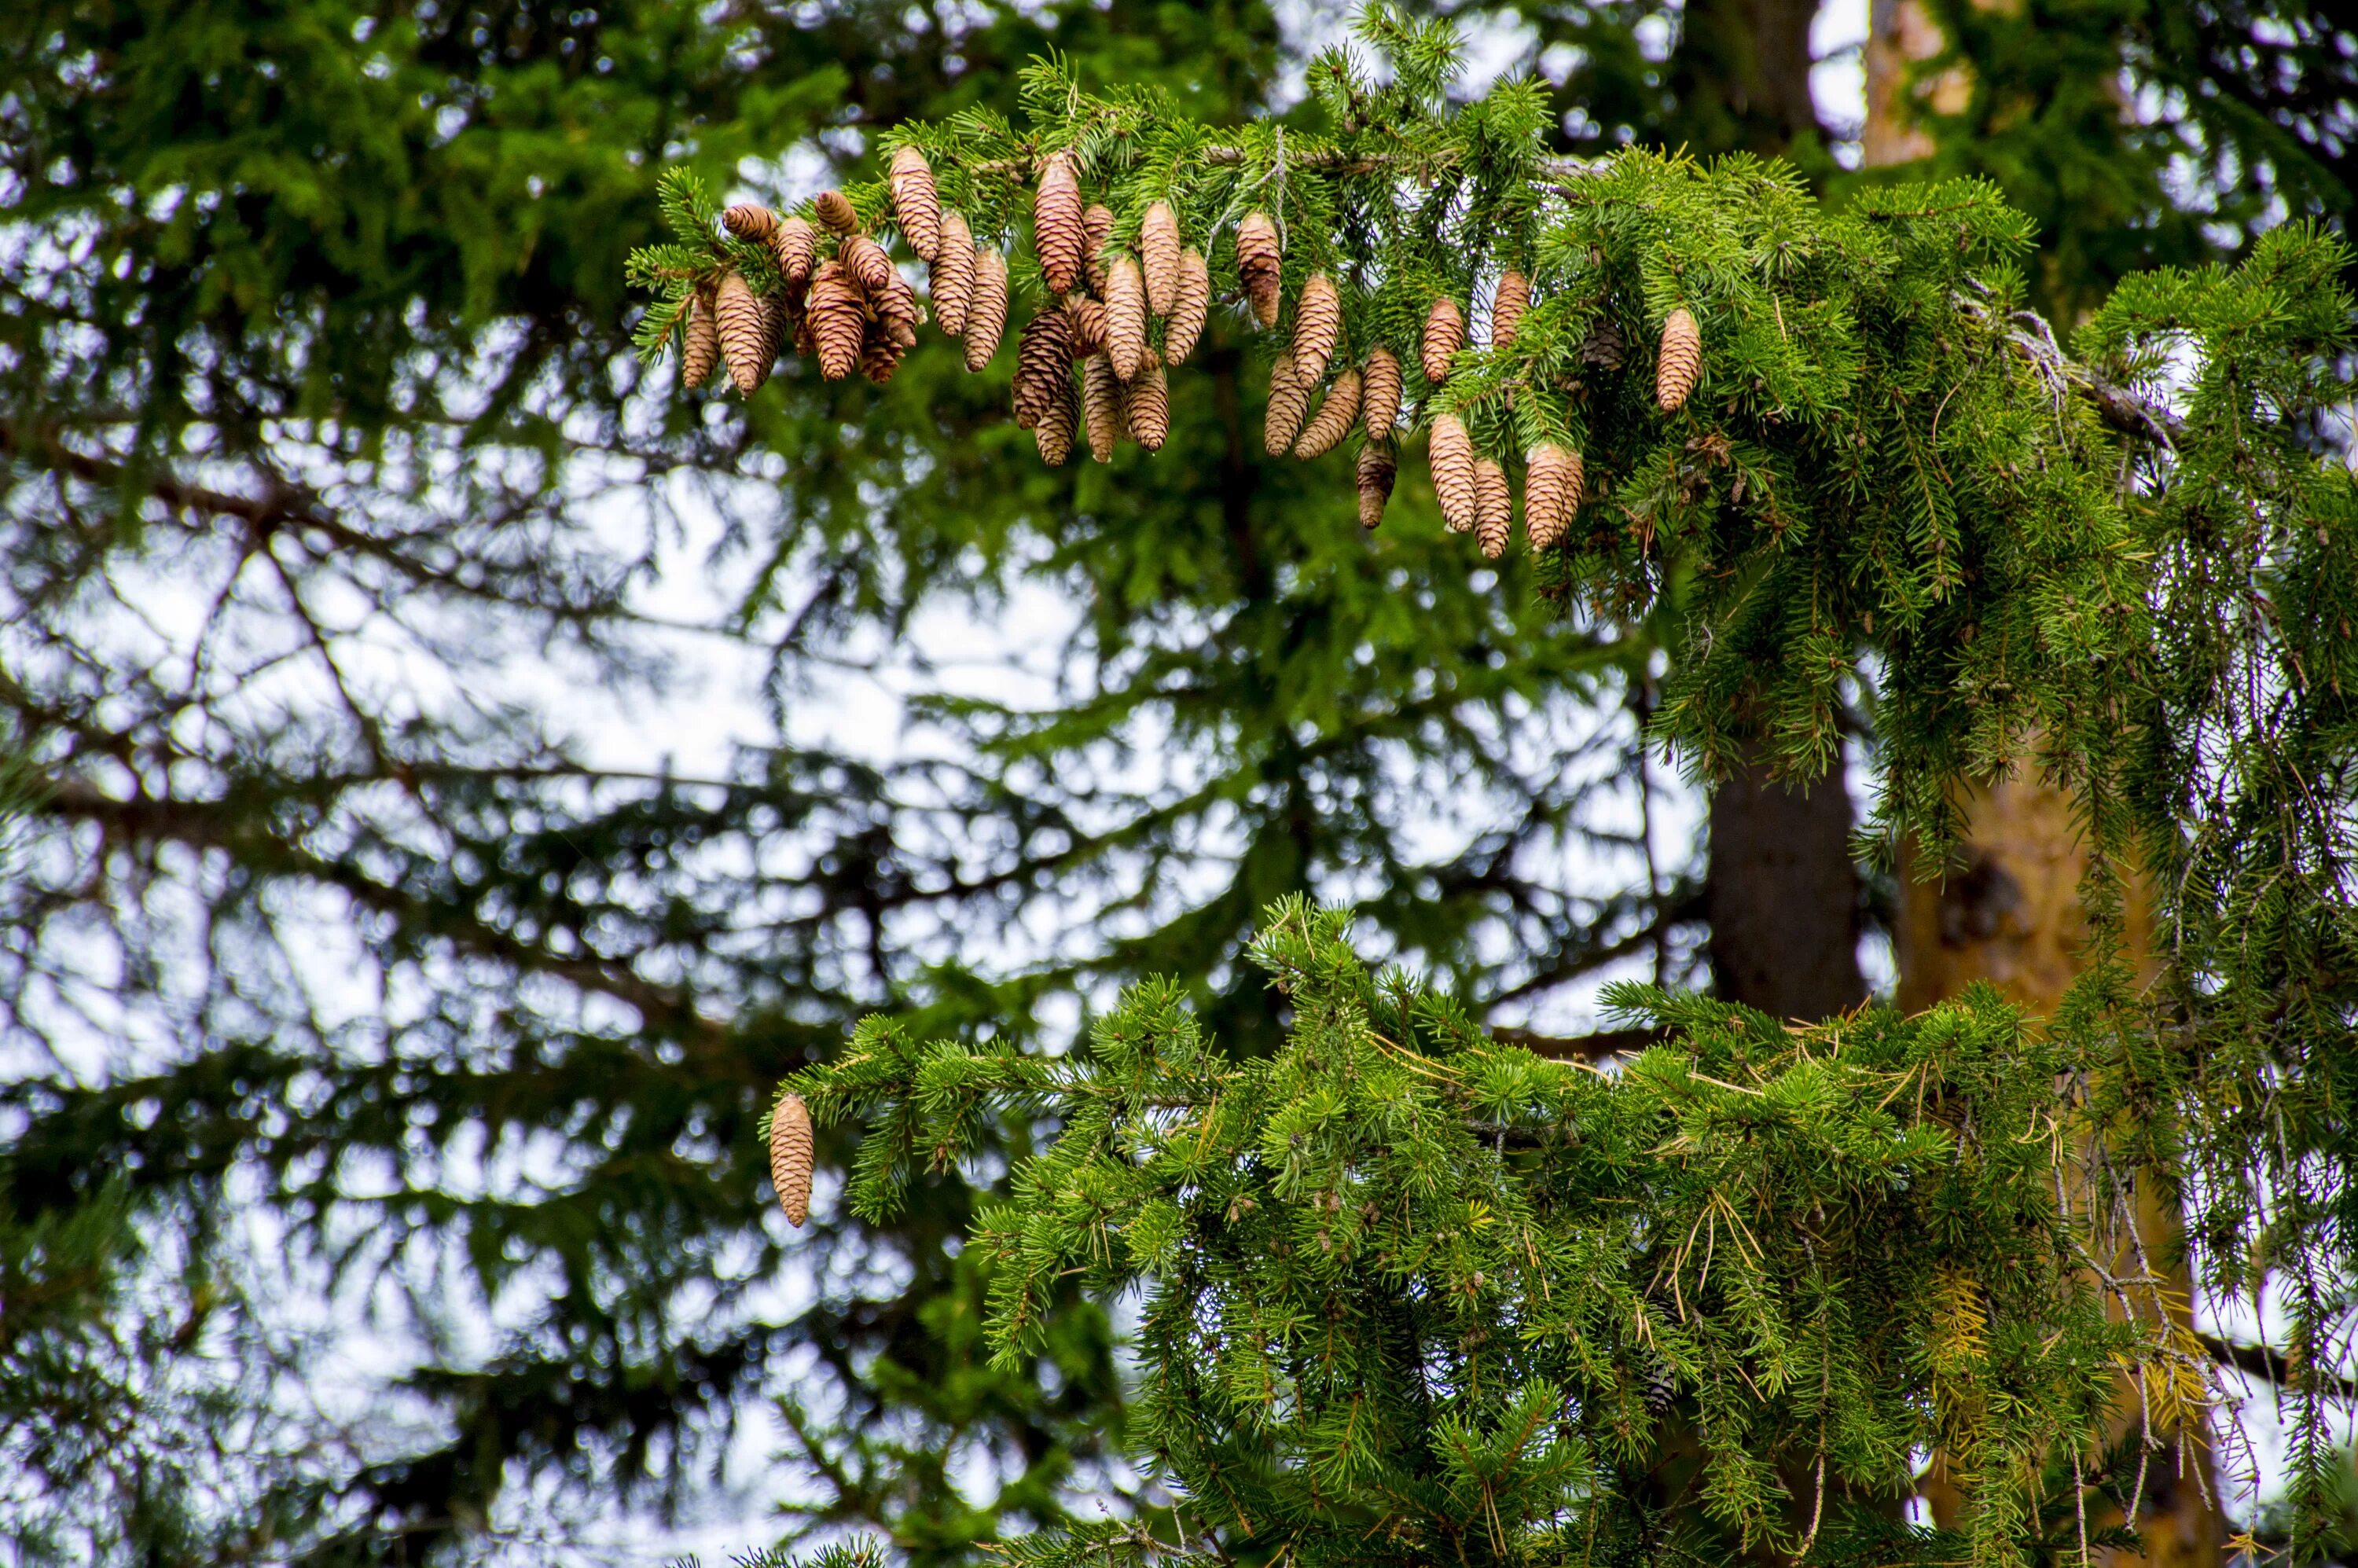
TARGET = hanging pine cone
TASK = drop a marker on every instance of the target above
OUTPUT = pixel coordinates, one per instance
(951, 278)
(1056, 229)
(1376, 469)
(1096, 232)
(834, 209)
(1289, 400)
(986, 309)
(750, 220)
(1125, 309)
(1089, 319)
(699, 346)
(791, 1159)
(1681, 363)
(1189, 308)
(1451, 453)
(879, 354)
(1508, 302)
(1379, 395)
(794, 243)
(1551, 494)
(870, 265)
(1333, 419)
(805, 340)
(1445, 334)
(778, 311)
(1100, 406)
(1158, 256)
(915, 205)
(1259, 261)
(1146, 404)
(1602, 347)
(838, 320)
(1054, 434)
(1317, 323)
(1494, 508)
(1043, 356)
(896, 306)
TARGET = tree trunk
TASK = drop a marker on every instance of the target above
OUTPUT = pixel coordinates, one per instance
(1783, 896)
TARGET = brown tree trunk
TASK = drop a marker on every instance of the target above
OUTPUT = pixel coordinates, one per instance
(1783, 896)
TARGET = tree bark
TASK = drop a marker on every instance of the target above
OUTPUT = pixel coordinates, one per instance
(1783, 896)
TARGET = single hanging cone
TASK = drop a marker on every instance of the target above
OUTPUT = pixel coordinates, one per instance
(896, 306)
(777, 319)
(699, 346)
(1317, 323)
(986, 309)
(805, 340)
(1380, 393)
(1680, 366)
(1451, 453)
(833, 209)
(880, 355)
(1087, 317)
(1189, 308)
(870, 265)
(915, 205)
(1158, 256)
(791, 1157)
(1146, 404)
(745, 333)
(1125, 309)
(1552, 481)
(1259, 263)
(1375, 480)
(750, 220)
(1053, 433)
(794, 243)
(1508, 302)
(1289, 400)
(1097, 230)
(1056, 229)
(838, 320)
(1333, 419)
(951, 281)
(1100, 406)
(1445, 334)
(1044, 355)
(1494, 508)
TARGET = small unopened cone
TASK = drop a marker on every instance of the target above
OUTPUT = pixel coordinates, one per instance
(1451, 453)
(791, 1157)
(750, 220)
(745, 333)
(1445, 334)
(1097, 230)
(1125, 308)
(1380, 393)
(699, 348)
(1508, 302)
(1158, 256)
(986, 309)
(838, 320)
(1056, 229)
(1551, 481)
(1189, 308)
(1494, 508)
(915, 205)
(1146, 404)
(1375, 481)
(1680, 366)
(1259, 263)
(1289, 400)
(834, 209)
(1100, 406)
(1333, 419)
(1317, 323)
(794, 243)
(951, 280)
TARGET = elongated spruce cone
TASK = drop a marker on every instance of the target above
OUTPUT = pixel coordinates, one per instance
(1380, 393)
(1318, 324)
(986, 309)
(1097, 231)
(1044, 357)
(1158, 256)
(1087, 317)
(1146, 404)
(870, 265)
(834, 210)
(1100, 406)
(1333, 419)
(793, 246)
(951, 279)
(1551, 481)
(839, 319)
(1056, 229)
(1494, 508)
(915, 205)
(880, 353)
(1125, 310)
(1451, 453)
(699, 343)
(1445, 334)
(1289, 400)
(750, 220)
(744, 327)
(1189, 308)
(792, 1154)
(1680, 366)
(1508, 300)
(1053, 433)
(1377, 468)
(1260, 264)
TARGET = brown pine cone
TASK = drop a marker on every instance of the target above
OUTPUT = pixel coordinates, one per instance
(1189, 308)
(750, 220)
(1259, 261)
(1056, 229)
(1044, 355)
(699, 346)
(1379, 396)
(778, 313)
(1551, 494)
(868, 263)
(1125, 309)
(1317, 323)
(1289, 400)
(1376, 469)
(745, 332)
(951, 279)
(1158, 256)
(839, 319)
(1146, 404)
(896, 306)
(1097, 231)
(879, 354)
(1681, 363)
(1100, 406)
(1494, 508)
(1451, 453)
(986, 309)
(833, 209)
(806, 339)
(1088, 319)
(791, 1157)
(1508, 302)
(1053, 433)
(794, 243)
(1445, 334)
(1333, 419)
(915, 205)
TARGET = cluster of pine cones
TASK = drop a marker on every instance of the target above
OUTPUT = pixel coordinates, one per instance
(1087, 365)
